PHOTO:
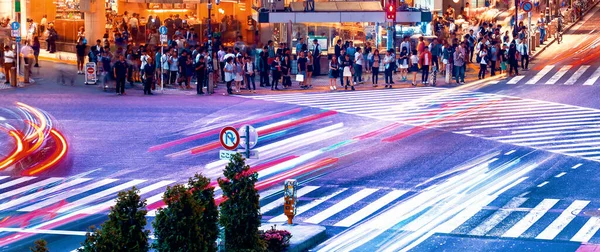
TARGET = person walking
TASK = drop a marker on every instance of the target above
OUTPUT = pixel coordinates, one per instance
(459, 61)
(425, 61)
(513, 56)
(36, 46)
(493, 58)
(524, 53)
(376, 62)
(482, 59)
(9, 62)
(200, 68)
(333, 72)
(120, 72)
(148, 73)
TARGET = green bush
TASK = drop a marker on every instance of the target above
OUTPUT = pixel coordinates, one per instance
(39, 246)
(240, 212)
(189, 223)
(125, 228)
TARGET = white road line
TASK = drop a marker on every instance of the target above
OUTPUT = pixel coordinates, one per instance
(576, 166)
(592, 79)
(563, 220)
(510, 152)
(493, 82)
(33, 186)
(515, 79)
(540, 75)
(370, 209)
(301, 209)
(43, 231)
(543, 184)
(15, 182)
(66, 195)
(279, 202)
(588, 230)
(99, 195)
(533, 216)
(577, 75)
(41, 193)
(3, 177)
(562, 71)
(497, 217)
(560, 175)
(460, 218)
(340, 206)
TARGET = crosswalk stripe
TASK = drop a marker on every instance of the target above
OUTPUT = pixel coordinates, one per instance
(15, 182)
(99, 195)
(533, 216)
(66, 195)
(540, 75)
(464, 215)
(577, 75)
(588, 230)
(562, 71)
(278, 203)
(497, 217)
(33, 196)
(515, 79)
(370, 209)
(303, 208)
(3, 177)
(36, 185)
(592, 79)
(563, 220)
(340, 206)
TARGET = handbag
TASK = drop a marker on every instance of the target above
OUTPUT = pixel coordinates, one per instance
(299, 77)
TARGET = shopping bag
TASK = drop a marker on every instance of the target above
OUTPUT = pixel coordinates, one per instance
(299, 77)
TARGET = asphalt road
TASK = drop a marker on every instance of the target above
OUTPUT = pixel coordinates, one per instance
(486, 166)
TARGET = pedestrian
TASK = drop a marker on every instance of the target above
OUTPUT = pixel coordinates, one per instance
(229, 70)
(482, 59)
(299, 46)
(459, 61)
(436, 52)
(403, 62)
(148, 73)
(513, 59)
(275, 72)
(80, 48)
(183, 62)
(302, 68)
(524, 53)
(333, 72)
(316, 53)
(347, 66)
(341, 60)
(375, 67)
(414, 66)
(310, 68)
(173, 66)
(120, 72)
(200, 68)
(250, 70)
(358, 66)
(388, 66)
(503, 58)
(239, 73)
(286, 67)
(9, 62)
(425, 61)
(36, 46)
(493, 58)
(264, 69)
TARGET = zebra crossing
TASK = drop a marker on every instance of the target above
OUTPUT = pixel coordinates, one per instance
(568, 75)
(558, 128)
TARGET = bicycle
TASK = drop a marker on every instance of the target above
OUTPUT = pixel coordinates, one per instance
(433, 75)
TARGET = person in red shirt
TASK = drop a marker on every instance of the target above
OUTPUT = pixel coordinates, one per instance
(420, 46)
(425, 61)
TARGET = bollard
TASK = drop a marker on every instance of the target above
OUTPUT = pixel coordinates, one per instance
(13, 77)
(26, 72)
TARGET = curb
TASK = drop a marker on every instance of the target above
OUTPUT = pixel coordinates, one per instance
(551, 41)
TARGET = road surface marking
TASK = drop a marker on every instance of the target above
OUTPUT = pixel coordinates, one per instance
(460, 218)
(41, 193)
(279, 202)
(540, 75)
(66, 195)
(510, 152)
(3, 177)
(99, 195)
(493, 82)
(560, 175)
(340, 206)
(515, 79)
(562, 71)
(543, 184)
(370, 209)
(33, 186)
(497, 217)
(588, 230)
(577, 75)
(15, 182)
(576, 166)
(43, 231)
(592, 79)
(533, 216)
(310, 205)
(563, 220)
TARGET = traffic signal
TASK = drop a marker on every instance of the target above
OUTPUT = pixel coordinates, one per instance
(390, 11)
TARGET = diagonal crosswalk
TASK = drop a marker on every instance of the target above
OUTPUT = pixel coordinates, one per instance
(585, 75)
(559, 128)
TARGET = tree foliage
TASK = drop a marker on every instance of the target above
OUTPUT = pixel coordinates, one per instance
(189, 223)
(240, 212)
(125, 228)
(39, 246)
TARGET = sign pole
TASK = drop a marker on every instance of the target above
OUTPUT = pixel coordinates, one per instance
(162, 75)
(209, 83)
(247, 141)
(529, 30)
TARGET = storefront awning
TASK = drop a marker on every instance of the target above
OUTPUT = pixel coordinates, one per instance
(339, 6)
(341, 17)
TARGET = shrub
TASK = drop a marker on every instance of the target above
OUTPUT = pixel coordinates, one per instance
(276, 240)
(125, 228)
(240, 212)
(39, 246)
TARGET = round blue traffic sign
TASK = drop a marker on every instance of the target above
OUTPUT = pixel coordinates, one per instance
(527, 6)
(163, 30)
(15, 25)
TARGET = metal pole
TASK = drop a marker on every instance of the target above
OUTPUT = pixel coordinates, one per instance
(162, 75)
(247, 141)
(515, 32)
(529, 30)
(209, 84)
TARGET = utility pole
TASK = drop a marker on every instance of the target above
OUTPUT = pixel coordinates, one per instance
(209, 85)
